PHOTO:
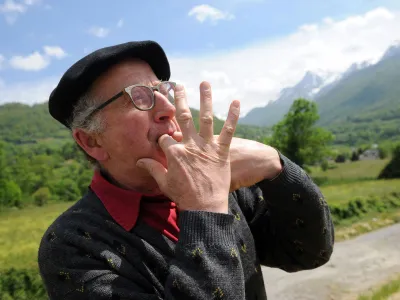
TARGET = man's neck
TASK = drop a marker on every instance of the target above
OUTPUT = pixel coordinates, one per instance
(127, 184)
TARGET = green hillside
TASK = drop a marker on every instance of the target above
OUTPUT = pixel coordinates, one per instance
(23, 124)
(365, 106)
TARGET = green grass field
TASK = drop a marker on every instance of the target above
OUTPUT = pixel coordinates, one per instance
(21, 231)
(344, 192)
(351, 171)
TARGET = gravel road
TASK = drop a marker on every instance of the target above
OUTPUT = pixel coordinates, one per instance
(355, 266)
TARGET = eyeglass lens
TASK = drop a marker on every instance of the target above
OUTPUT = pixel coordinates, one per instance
(143, 97)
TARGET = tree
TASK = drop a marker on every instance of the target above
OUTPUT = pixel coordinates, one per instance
(65, 189)
(4, 171)
(392, 169)
(354, 156)
(10, 194)
(298, 138)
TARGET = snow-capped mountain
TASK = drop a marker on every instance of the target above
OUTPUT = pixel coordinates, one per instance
(273, 111)
(393, 50)
(313, 85)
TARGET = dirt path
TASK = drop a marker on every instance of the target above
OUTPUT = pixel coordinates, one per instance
(355, 266)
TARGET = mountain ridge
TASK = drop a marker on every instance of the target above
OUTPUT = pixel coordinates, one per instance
(324, 83)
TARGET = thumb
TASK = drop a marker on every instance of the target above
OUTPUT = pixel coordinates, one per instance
(155, 169)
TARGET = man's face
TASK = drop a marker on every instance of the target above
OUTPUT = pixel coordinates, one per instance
(130, 133)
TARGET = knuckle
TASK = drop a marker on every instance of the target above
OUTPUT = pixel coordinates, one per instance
(207, 120)
(185, 117)
(180, 93)
(230, 130)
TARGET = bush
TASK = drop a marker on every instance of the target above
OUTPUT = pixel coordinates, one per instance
(364, 205)
(392, 169)
(41, 196)
(354, 156)
(324, 165)
(21, 285)
(341, 158)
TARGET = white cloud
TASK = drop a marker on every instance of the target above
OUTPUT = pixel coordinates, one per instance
(256, 73)
(120, 23)
(10, 6)
(11, 9)
(32, 62)
(206, 12)
(99, 32)
(55, 51)
(37, 61)
(27, 92)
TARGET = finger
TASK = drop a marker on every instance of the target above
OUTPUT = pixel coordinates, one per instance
(177, 136)
(227, 132)
(183, 114)
(165, 141)
(206, 111)
(155, 169)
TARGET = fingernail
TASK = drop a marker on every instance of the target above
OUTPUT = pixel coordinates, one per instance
(236, 103)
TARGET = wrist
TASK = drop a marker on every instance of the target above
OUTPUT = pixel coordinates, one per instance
(221, 209)
(273, 167)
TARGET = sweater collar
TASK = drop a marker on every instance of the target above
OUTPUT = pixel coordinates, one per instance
(123, 205)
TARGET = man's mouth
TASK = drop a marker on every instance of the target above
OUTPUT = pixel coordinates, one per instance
(170, 132)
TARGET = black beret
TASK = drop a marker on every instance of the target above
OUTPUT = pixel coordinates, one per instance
(80, 76)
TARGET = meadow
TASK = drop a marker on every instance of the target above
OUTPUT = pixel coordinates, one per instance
(348, 171)
(21, 230)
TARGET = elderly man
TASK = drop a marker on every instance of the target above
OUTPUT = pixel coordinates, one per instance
(172, 213)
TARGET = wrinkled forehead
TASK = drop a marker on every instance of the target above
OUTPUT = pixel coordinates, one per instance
(123, 74)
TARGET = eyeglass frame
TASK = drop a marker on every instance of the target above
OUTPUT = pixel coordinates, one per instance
(127, 91)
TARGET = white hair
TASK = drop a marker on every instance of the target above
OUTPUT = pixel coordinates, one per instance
(95, 124)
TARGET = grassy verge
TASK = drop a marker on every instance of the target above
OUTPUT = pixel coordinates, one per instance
(374, 221)
(384, 292)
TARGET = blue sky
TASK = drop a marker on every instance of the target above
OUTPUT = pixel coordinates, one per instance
(191, 32)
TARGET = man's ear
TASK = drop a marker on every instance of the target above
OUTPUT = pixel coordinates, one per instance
(90, 143)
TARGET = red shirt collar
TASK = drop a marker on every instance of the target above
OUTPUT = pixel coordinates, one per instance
(123, 205)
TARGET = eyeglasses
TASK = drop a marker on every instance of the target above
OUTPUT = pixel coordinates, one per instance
(142, 96)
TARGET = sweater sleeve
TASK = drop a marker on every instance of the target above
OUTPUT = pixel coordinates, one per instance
(289, 219)
(206, 265)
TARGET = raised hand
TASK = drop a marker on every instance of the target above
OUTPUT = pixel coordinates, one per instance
(198, 173)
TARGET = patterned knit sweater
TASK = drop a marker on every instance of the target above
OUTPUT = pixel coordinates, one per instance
(284, 223)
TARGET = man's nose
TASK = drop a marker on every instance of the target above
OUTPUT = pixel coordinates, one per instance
(163, 109)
